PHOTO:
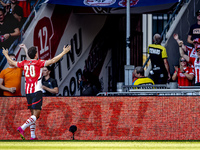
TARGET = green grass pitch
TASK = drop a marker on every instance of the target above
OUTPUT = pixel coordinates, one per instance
(100, 145)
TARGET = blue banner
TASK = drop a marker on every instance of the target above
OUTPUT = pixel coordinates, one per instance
(110, 3)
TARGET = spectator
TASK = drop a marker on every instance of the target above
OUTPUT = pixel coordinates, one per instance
(133, 76)
(9, 30)
(26, 6)
(4, 4)
(13, 5)
(49, 85)
(183, 73)
(140, 79)
(89, 84)
(194, 61)
(191, 51)
(194, 30)
(160, 72)
(18, 14)
(10, 79)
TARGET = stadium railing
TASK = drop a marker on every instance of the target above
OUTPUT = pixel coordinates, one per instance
(156, 90)
(127, 88)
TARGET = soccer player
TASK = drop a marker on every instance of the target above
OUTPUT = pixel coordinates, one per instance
(33, 86)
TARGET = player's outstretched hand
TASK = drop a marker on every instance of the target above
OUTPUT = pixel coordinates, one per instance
(22, 46)
(66, 49)
(5, 51)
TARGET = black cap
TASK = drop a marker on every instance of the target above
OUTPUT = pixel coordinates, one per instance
(198, 12)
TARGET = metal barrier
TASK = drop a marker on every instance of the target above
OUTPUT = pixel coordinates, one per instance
(127, 88)
(154, 92)
(189, 87)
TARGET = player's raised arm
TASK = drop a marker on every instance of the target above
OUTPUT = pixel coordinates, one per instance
(12, 62)
(23, 46)
(66, 49)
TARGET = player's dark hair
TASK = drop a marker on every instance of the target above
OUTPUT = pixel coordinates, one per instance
(3, 10)
(139, 70)
(32, 52)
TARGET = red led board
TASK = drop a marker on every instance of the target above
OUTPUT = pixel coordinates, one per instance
(106, 118)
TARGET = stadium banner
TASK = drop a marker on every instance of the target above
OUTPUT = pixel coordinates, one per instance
(105, 118)
(110, 3)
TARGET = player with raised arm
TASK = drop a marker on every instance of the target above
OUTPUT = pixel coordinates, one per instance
(33, 86)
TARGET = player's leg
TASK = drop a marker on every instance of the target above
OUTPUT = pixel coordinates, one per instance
(28, 122)
(32, 128)
(24, 126)
(36, 113)
(34, 102)
(31, 120)
(31, 100)
(36, 110)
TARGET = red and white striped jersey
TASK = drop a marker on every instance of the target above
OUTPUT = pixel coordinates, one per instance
(191, 52)
(33, 73)
(196, 64)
